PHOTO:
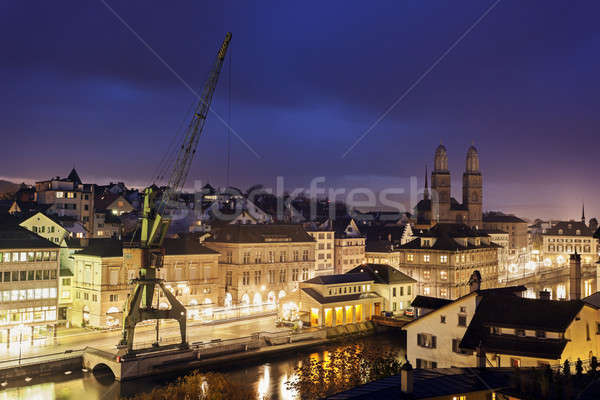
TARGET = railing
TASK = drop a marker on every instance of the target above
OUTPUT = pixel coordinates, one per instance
(31, 360)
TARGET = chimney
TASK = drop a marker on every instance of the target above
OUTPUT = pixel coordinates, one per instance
(475, 281)
(575, 276)
(544, 295)
(481, 359)
(406, 378)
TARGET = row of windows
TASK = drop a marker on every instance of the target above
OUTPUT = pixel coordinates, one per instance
(569, 248)
(322, 246)
(408, 291)
(258, 257)
(349, 289)
(443, 259)
(569, 240)
(23, 315)
(32, 275)
(27, 256)
(272, 276)
(7, 296)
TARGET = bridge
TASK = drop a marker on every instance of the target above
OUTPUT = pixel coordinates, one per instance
(556, 280)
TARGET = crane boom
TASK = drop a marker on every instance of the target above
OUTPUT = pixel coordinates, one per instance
(148, 253)
(156, 221)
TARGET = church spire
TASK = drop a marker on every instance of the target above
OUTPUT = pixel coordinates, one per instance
(583, 212)
(426, 192)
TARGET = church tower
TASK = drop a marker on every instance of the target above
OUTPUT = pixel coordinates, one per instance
(473, 188)
(440, 185)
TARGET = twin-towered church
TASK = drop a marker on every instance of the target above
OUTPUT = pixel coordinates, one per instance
(438, 205)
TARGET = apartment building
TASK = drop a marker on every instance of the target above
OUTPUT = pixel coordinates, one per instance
(443, 258)
(28, 286)
(324, 253)
(260, 264)
(565, 238)
(104, 270)
(68, 197)
(349, 245)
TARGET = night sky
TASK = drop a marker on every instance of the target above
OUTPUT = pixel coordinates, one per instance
(307, 79)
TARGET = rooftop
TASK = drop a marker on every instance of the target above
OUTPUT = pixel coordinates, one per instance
(260, 233)
(16, 237)
(340, 278)
(382, 273)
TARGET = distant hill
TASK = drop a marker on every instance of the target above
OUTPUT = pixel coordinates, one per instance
(8, 187)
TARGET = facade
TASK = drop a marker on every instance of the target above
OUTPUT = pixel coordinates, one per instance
(68, 197)
(439, 206)
(349, 245)
(29, 286)
(514, 226)
(324, 253)
(502, 239)
(113, 203)
(565, 238)
(106, 225)
(104, 270)
(259, 264)
(443, 258)
(382, 252)
(395, 288)
(332, 300)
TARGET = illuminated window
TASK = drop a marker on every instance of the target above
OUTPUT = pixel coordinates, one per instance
(426, 258)
(410, 257)
(443, 259)
(443, 275)
(60, 195)
(426, 275)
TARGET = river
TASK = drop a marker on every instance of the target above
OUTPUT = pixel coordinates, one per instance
(268, 377)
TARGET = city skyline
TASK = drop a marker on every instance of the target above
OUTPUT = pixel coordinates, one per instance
(92, 87)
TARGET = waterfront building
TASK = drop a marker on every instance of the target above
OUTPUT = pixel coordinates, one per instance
(514, 226)
(28, 286)
(395, 288)
(104, 270)
(332, 300)
(442, 259)
(439, 206)
(259, 264)
(565, 238)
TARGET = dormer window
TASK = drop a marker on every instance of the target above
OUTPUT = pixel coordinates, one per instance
(560, 231)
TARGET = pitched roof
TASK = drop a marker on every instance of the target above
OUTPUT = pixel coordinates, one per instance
(503, 218)
(114, 248)
(74, 177)
(569, 228)
(260, 233)
(382, 273)
(432, 383)
(102, 248)
(319, 298)
(431, 303)
(188, 247)
(386, 232)
(379, 246)
(16, 237)
(340, 278)
(520, 313)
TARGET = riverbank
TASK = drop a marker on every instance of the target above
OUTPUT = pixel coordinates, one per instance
(213, 354)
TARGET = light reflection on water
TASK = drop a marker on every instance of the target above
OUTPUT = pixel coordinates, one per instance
(269, 379)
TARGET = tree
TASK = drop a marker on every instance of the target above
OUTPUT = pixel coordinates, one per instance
(346, 367)
(209, 386)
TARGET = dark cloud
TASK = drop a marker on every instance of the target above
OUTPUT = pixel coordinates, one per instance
(307, 78)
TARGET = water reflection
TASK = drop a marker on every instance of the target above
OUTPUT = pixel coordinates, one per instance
(269, 378)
